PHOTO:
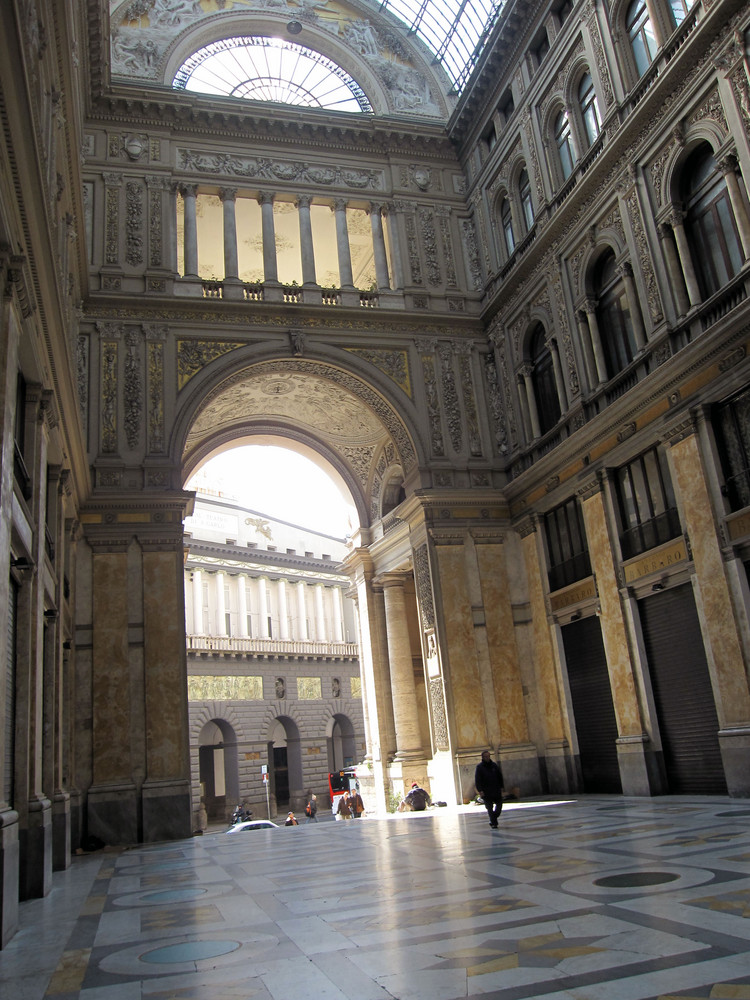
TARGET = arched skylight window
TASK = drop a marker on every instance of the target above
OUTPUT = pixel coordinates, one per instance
(455, 30)
(271, 69)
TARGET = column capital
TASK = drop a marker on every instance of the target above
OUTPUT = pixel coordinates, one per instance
(265, 197)
(675, 217)
(304, 200)
(589, 305)
(187, 190)
(727, 163)
(227, 194)
(340, 204)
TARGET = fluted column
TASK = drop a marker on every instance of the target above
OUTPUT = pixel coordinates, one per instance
(677, 222)
(528, 385)
(197, 602)
(220, 627)
(588, 352)
(302, 611)
(676, 279)
(190, 217)
(270, 269)
(242, 604)
(346, 278)
(378, 246)
(283, 612)
(306, 240)
(728, 167)
(562, 394)
(639, 331)
(405, 713)
(596, 340)
(524, 406)
(262, 607)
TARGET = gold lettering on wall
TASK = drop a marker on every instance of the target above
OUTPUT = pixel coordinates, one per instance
(207, 688)
(584, 590)
(739, 526)
(658, 559)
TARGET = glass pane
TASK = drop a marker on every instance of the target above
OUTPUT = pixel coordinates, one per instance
(249, 240)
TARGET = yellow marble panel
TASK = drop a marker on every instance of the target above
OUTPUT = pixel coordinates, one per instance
(356, 685)
(111, 668)
(547, 688)
(309, 688)
(213, 688)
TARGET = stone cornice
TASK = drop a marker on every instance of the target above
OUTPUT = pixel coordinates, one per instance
(261, 559)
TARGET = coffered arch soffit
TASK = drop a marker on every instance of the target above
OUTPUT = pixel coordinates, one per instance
(151, 38)
(333, 412)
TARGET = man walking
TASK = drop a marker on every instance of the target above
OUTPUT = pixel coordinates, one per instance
(488, 779)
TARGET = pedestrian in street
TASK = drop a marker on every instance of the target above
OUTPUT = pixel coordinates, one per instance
(311, 809)
(488, 779)
(356, 804)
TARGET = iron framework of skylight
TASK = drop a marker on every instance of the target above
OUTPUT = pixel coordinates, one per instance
(455, 30)
(264, 68)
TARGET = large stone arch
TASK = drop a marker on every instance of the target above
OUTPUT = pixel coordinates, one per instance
(332, 411)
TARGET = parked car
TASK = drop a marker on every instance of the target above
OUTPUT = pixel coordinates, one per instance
(248, 825)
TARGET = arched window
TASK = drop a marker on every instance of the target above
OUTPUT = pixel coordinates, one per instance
(564, 143)
(679, 10)
(641, 34)
(613, 316)
(709, 222)
(506, 221)
(592, 122)
(543, 377)
(524, 192)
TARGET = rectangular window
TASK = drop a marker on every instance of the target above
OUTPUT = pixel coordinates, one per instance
(646, 504)
(228, 622)
(566, 545)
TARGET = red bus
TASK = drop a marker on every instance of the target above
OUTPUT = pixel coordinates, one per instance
(340, 783)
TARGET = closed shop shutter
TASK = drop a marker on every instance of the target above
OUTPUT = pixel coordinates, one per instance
(683, 696)
(591, 694)
(10, 695)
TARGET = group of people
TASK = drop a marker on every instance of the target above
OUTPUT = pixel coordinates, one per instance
(350, 806)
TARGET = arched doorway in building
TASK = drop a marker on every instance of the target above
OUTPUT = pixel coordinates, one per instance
(285, 764)
(342, 748)
(219, 778)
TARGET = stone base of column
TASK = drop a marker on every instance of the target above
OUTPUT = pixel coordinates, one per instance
(442, 775)
(560, 767)
(166, 810)
(466, 762)
(112, 812)
(189, 287)
(76, 819)
(735, 753)
(520, 764)
(641, 766)
(60, 831)
(390, 299)
(350, 297)
(9, 861)
(35, 843)
(233, 289)
(406, 768)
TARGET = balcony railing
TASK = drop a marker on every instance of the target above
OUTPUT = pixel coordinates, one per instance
(237, 645)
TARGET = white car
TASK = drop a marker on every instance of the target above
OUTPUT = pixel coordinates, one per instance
(248, 825)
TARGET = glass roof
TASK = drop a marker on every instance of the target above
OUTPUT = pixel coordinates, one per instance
(271, 69)
(455, 30)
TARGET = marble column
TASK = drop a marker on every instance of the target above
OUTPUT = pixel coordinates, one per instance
(302, 630)
(378, 246)
(391, 232)
(528, 385)
(262, 584)
(283, 610)
(228, 198)
(189, 194)
(306, 240)
(721, 621)
(728, 167)
(338, 615)
(676, 280)
(405, 714)
(588, 351)
(320, 618)
(220, 621)
(242, 605)
(346, 277)
(562, 393)
(270, 267)
(676, 221)
(596, 340)
(197, 602)
(639, 331)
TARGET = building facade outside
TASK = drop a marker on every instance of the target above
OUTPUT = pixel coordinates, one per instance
(507, 308)
(274, 688)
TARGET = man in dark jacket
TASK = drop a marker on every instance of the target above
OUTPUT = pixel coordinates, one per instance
(488, 779)
(418, 798)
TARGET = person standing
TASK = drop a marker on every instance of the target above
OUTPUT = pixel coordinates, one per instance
(343, 810)
(311, 809)
(356, 804)
(488, 779)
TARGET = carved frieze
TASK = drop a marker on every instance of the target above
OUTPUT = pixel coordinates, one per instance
(394, 364)
(109, 397)
(644, 256)
(471, 252)
(82, 376)
(155, 189)
(437, 715)
(446, 245)
(432, 398)
(196, 161)
(412, 243)
(134, 223)
(112, 218)
(468, 391)
(429, 245)
(450, 396)
(155, 397)
(132, 389)
(193, 355)
(599, 58)
(496, 403)
(565, 338)
(424, 587)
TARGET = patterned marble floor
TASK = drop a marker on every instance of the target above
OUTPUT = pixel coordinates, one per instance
(586, 899)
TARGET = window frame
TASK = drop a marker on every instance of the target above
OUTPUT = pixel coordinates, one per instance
(562, 133)
(643, 485)
(588, 107)
(525, 199)
(639, 28)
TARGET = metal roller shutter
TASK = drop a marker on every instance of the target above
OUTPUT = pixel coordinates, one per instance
(594, 711)
(684, 699)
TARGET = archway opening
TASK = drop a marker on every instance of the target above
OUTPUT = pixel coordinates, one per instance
(217, 767)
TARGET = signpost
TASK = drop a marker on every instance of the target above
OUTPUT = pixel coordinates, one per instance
(264, 773)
